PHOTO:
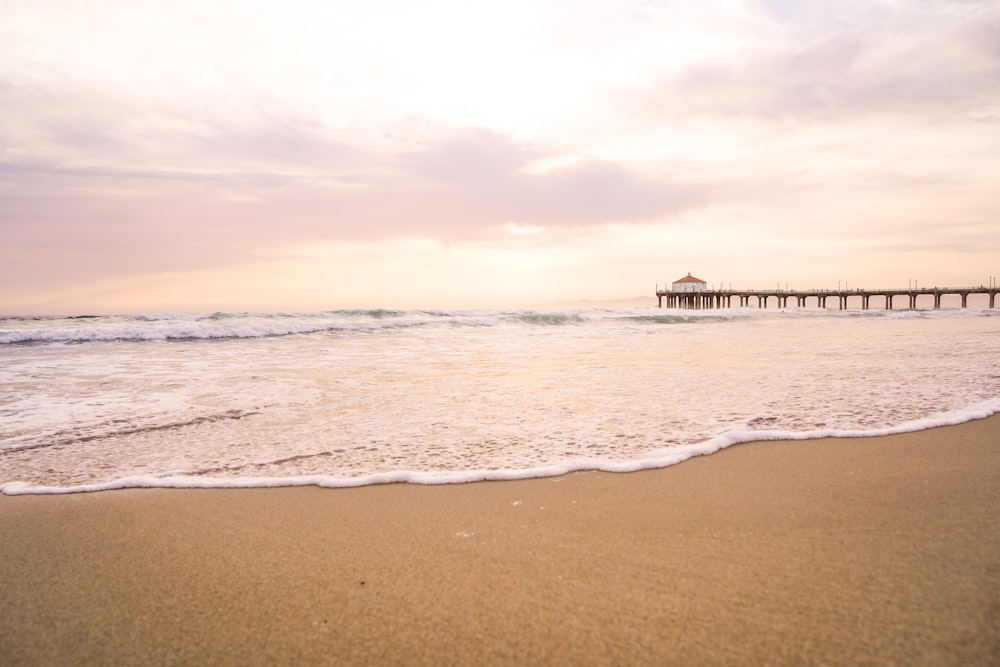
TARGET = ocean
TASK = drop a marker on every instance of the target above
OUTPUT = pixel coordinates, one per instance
(349, 398)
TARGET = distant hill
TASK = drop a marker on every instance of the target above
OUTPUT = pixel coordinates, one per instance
(634, 302)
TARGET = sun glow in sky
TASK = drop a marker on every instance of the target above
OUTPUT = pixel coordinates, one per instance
(308, 155)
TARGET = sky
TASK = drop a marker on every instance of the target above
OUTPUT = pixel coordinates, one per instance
(309, 155)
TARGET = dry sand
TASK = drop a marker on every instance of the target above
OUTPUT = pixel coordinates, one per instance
(858, 551)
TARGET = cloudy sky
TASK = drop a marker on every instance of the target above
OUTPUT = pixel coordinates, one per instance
(314, 154)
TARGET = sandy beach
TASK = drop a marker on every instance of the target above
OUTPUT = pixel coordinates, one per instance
(837, 551)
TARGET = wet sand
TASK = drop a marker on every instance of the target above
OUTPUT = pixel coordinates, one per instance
(836, 551)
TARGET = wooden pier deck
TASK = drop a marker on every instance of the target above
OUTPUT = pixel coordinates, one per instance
(707, 299)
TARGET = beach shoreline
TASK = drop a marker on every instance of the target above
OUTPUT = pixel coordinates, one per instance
(881, 550)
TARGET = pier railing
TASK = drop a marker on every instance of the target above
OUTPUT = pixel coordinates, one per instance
(723, 298)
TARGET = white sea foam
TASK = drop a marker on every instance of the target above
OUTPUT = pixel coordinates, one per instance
(178, 327)
(431, 397)
(663, 459)
(181, 326)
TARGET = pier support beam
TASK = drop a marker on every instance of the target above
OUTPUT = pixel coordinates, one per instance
(724, 298)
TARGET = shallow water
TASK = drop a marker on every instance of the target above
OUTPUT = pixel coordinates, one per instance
(357, 397)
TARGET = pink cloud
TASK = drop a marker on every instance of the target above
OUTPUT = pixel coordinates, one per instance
(103, 220)
(887, 68)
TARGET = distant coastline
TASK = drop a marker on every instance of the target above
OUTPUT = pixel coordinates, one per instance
(634, 302)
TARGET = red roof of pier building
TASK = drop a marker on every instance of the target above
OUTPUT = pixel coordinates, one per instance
(689, 279)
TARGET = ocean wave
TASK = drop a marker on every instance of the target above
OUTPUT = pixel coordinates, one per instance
(223, 325)
(662, 458)
(182, 326)
(681, 317)
(117, 428)
(177, 328)
(545, 318)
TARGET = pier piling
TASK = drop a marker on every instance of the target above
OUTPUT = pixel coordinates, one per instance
(723, 298)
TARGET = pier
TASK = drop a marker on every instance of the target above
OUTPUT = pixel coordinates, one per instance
(706, 298)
